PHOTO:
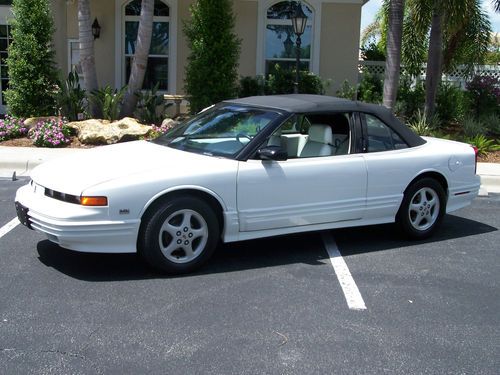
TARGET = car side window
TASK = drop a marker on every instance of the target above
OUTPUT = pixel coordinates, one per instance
(381, 137)
(314, 135)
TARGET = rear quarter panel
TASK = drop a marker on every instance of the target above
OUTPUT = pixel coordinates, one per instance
(391, 172)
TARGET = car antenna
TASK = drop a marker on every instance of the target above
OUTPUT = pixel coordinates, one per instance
(14, 177)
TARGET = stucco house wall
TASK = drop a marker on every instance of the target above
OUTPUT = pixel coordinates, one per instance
(334, 46)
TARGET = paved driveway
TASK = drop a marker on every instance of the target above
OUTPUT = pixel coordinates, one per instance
(268, 306)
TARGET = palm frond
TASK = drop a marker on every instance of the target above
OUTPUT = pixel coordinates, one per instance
(467, 38)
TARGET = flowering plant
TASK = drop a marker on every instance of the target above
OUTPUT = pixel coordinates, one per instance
(156, 131)
(12, 127)
(50, 133)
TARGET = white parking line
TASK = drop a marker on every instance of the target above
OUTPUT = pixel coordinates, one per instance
(8, 227)
(351, 291)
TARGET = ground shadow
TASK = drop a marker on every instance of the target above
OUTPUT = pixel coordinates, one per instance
(354, 241)
(304, 248)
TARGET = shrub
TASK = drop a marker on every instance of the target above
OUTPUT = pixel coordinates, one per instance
(12, 127)
(473, 127)
(310, 83)
(50, 133)
(449, 103)
(422, 125)
(32, 72)
(347, 91)
(71, 98)
(411, 98)
(492, 123)
(282, 81)
(483, 144)
(211, 72)
(371, 88)
(484, 94)
(373, 52)
(150, 106)
(108, 101)
(252, 86)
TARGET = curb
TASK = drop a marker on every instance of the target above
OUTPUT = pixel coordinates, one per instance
(22, 160)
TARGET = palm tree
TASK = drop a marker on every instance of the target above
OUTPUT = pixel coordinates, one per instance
(393, 54)
(140, 60)
(87, 60)
(459, 32)
(442, 32)
(496, 3)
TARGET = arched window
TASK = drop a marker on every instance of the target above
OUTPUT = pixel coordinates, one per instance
(280, 40)
(157, 69)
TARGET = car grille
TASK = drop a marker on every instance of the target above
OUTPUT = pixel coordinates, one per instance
(54, 194)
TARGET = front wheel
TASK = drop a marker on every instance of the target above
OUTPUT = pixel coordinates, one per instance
(179, 236)
(422, 209)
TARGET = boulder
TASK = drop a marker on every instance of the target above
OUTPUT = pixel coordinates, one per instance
(169, 123)
(98, 132)
(30, 122)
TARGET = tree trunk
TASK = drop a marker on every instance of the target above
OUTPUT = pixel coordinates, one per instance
(434, 61)
(87, 60)
(393, 54)
(140, 60)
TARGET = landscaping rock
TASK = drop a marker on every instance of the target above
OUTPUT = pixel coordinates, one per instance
(98, 132)
(168, 122)
(30, 122)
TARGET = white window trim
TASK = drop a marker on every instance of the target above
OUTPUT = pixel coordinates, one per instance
(5, 16)
(119, 42)
(70, 40)
(315, 5)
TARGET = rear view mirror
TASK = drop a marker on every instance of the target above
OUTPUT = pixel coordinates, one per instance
(272, 153)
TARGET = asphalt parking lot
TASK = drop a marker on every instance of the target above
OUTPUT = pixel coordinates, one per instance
(272, 306)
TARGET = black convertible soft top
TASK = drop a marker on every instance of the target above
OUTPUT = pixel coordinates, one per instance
(304, 103)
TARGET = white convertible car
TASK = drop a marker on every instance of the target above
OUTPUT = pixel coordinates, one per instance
(249, 168)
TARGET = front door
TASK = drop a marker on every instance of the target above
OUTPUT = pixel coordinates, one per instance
(300, 192)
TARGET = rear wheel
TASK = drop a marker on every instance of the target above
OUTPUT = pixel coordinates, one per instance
(422, 209)
(179, 236)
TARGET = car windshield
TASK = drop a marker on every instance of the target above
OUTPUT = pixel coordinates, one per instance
(219, 131)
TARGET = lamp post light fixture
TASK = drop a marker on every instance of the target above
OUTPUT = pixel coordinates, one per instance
(299, 21)
(96, 29)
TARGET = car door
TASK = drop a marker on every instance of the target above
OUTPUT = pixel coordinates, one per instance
(390, 164)
(300, 191)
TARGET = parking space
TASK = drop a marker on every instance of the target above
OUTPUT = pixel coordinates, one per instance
(267, 306)
(7, 192)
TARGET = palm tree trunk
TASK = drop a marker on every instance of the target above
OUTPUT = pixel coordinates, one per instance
(140, 60)
(434, 61)
(393, 54)
(87, 60)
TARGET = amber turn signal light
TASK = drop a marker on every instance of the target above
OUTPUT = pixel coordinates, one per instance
(94, 201)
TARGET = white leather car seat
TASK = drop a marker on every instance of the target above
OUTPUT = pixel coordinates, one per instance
(275, 139)
(319, 142)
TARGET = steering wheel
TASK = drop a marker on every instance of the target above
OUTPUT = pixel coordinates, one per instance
(243, 135)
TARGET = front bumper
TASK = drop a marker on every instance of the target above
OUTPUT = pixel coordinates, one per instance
(75, 227)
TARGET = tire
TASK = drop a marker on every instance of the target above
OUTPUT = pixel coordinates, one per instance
(179, 236)
(422, 209)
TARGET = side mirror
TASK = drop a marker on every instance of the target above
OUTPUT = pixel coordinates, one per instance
(272, 153)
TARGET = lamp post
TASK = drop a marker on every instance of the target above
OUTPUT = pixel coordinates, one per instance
(299, 21)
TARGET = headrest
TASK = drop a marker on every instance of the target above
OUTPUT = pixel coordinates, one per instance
(320, 133)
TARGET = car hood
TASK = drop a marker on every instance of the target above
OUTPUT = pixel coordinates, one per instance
(74, 174)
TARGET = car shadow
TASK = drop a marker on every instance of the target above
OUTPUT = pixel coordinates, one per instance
(374, 238)
(306, 248)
